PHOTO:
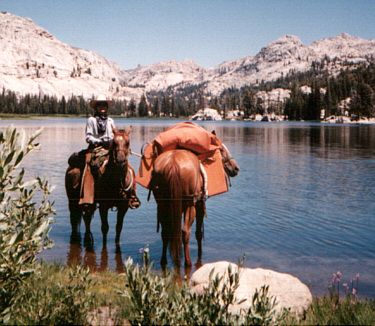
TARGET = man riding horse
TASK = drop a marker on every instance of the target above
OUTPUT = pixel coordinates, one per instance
(99, 135)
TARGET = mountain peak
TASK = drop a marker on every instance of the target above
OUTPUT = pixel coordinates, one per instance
(347, 36)
(288, 38)
(285, 47)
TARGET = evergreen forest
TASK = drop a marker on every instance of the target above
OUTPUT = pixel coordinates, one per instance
(356, 83)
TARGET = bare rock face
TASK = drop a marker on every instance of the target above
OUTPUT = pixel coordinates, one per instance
(34, 61)
(288, 290)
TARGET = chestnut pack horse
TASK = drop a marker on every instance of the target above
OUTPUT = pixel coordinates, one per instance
(114, 187)
(177, 185)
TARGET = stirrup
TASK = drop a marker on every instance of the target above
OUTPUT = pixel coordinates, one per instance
(134, 202)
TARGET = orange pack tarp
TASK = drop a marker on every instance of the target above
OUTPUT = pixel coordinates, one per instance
(190, 136)
(146, 166)
(187, 135)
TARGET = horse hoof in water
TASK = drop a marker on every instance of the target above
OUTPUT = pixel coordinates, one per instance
(89, 240)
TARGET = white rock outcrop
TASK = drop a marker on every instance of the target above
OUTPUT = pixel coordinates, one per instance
(207, 114)
(288, 290)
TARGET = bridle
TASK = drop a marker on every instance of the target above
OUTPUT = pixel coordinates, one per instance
(115, 150)
(228, 156)
(125, 186)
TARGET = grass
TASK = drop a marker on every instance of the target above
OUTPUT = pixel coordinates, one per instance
(329, 311)
(104, 285)
(113, 299)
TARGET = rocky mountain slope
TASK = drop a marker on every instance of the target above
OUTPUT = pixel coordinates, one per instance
(34, 61)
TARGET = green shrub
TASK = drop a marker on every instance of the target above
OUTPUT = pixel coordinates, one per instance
(330, 311)
(65, 302)
(24, 224)
(27, 294)
(153, 299)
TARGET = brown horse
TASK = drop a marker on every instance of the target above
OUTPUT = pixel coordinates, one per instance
(114, 187)
(177, 185)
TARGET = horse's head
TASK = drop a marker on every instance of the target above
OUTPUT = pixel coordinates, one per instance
(120, 146)
(230, 165)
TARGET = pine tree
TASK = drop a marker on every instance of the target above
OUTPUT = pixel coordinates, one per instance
(132, 108)
(155, 107)
(248, 103)
(143, 107)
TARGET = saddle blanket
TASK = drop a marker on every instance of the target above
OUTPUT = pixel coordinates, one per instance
(190, 136)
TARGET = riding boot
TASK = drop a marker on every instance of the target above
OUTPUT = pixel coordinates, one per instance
(87, 189)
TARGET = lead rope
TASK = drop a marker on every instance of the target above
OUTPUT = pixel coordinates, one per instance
(134, 153)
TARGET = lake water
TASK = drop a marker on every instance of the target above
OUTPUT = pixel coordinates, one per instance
(303, 203)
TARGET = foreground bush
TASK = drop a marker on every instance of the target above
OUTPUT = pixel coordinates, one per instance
(25, 298)
(153, 299)
(330, 311)
(24, 224)
(47, 301)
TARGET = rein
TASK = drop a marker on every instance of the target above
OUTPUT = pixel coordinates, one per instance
(125, 188)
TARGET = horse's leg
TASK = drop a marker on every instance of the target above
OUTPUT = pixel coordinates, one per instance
(103, 210)
(88, 212)
(121, 211)
(200, 207)
(75, 221)
(72, 187)
(189, 216)
(165, 230)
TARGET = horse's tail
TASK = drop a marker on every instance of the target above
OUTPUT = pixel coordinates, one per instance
(175, 211)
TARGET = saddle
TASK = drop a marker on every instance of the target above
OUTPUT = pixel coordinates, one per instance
(96, 162)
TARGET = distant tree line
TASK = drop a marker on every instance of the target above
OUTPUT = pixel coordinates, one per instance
(50, 105)
(356, 83)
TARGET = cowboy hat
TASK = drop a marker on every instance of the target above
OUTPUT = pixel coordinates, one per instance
(100, 98)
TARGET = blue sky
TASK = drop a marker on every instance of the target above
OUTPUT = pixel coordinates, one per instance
(208, 32)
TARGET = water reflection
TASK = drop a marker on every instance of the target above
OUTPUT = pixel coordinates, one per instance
(86, 256)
